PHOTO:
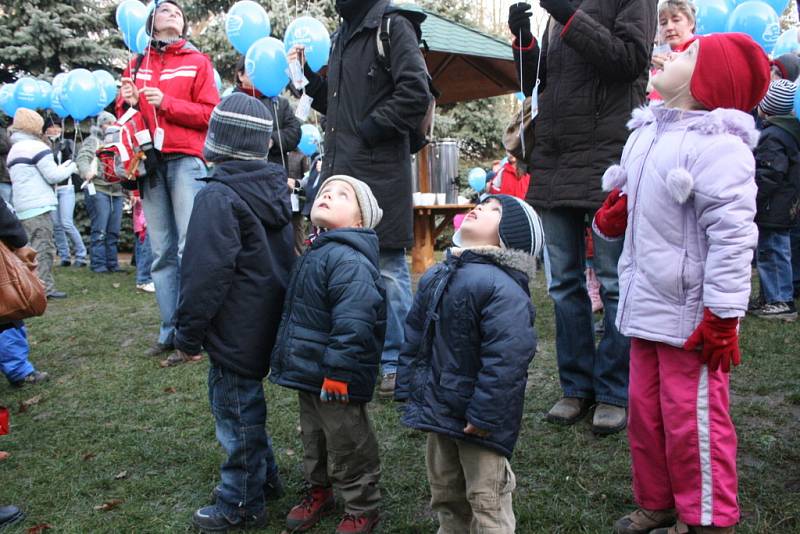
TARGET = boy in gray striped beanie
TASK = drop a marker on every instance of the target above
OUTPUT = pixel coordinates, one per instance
(779, 99)
(240, 128)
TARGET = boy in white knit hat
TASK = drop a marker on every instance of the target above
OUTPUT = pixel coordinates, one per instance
(329, 347)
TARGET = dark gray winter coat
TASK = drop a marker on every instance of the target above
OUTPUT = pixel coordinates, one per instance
(593, 74)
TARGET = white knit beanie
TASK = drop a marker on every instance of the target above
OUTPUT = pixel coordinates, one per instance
(371, 212)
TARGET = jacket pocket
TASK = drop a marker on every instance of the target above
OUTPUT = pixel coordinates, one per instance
(456, 392)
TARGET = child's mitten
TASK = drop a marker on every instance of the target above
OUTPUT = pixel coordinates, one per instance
(611, 219)
(333, 390)
(718, 341)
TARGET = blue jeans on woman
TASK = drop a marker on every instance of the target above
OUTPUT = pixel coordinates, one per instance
(167, 207)
(240, 415)
(64, 228)
(775, 265)
(105, 212)
(397, 280)
(586, 370)
(144, 260)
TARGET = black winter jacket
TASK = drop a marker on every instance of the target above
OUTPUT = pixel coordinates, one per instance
(593, 74)
(369, 113)
(236, 263)
(778, 173)
(470, 338)
(5, 146)
(334, 319)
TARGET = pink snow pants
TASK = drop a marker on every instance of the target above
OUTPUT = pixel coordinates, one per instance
(682, 439)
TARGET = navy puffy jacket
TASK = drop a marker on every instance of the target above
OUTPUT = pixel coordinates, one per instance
(469, 340)
(334, 318)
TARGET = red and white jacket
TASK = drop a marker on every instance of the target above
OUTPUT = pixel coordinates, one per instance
(186, 78)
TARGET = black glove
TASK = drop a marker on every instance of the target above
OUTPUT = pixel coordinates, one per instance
(561, 10)
(519, 22)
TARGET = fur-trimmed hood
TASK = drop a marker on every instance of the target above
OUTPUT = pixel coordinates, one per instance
(503, 257)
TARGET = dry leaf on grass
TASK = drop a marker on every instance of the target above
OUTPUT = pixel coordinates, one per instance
(121, 475)
(108, 505)
(170, 390)
(24, 405)
(115, 285)
(289, 452)
(37, 529)
(4, 455)
(88, 456)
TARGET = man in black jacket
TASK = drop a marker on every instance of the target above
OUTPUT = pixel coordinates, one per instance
(592, 70)
(370, 111)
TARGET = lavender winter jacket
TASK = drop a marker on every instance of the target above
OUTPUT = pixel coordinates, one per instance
(690, 177)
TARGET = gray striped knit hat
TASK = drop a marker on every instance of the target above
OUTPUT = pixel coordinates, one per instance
(779, 99)
(520, 226)
(371, 212)
(240, 128)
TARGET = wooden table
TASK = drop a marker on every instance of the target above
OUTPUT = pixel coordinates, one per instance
(426, 231)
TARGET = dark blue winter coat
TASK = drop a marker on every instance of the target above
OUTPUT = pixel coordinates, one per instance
(236, 264)
(334, 318)
(469, 340)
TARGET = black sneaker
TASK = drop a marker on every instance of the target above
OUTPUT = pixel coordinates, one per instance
(36, 377)
(10, 515)
(66, 263)
(782, 311)
(273, 490)
(56, 295)
(211, 519)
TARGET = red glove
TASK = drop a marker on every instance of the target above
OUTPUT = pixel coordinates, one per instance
(612, 217)
(719, 341)
(333, 390)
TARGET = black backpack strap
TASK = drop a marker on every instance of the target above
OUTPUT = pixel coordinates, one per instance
(139, 60)
(383, 41)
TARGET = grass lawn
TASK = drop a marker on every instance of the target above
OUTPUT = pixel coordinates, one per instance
(112, 425)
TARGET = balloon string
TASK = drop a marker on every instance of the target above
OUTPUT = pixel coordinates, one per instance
(522, 89)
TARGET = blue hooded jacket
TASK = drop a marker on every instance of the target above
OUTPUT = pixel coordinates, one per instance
(469, 340)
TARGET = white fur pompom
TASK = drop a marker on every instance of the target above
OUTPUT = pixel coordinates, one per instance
(615, 176)
(679, 184)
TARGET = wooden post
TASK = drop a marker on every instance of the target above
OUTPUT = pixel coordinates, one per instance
(422, 253)
(423, 160)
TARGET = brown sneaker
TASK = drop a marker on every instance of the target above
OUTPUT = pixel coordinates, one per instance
(683, 528)
(386, 391)
(569, 410)
(643, 521)
(609, 419)
(316, 504)
(362, 524)
(178, 357)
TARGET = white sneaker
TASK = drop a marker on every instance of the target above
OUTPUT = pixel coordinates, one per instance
(149, 287)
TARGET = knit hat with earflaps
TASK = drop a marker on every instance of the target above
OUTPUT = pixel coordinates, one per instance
(27, 121)
(240, 128)
(732, 71)
(779, 99)
(371, 212)
(520, 226)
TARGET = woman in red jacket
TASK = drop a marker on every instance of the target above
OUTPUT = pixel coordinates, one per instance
(172, 86)
(509, 180)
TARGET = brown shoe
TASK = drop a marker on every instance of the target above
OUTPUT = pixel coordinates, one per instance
(361, 524)
(316, 504)
(609, 419)
(158, 349)
(569, 410)
(643, 521)
(682, 528)
(386, 390)
(178, 357)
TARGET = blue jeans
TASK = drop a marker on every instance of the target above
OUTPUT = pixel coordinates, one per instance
(585, 370)
(794, 235)
(775, 265)
(144, 260)
(14, 351)
(5, 192)
(64, 228)
(397, 279)
(105, 212)
(167, 207)
(240, 414)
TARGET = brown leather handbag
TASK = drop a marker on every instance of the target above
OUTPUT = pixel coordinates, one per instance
(21, 292)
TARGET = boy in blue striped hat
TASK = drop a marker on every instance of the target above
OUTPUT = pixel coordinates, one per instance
(234, 273)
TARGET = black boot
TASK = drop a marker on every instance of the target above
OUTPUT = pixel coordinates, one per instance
(9, 515)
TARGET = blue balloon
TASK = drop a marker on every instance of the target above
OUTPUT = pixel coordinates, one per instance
(59, 79)
(758, 20)
(46, 89)
(80, 94)
(142, 40)
(712, 15)
(107, 82)
(55, 102)
(246, 23)
(218, 81)
(778, 5)
(520, 96)
(7, 102)
(310, 139)
(131, 17)
(786, 43)
(265, 64)
(28, 93)
(477, 179)
(314, 37)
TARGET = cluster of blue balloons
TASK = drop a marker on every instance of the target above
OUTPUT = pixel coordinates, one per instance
(131, 19)
(248, 29)
(310, 140)
(756, 18)
(77, 94)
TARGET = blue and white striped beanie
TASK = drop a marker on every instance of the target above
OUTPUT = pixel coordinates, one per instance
(240, 128)
(779, 99)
